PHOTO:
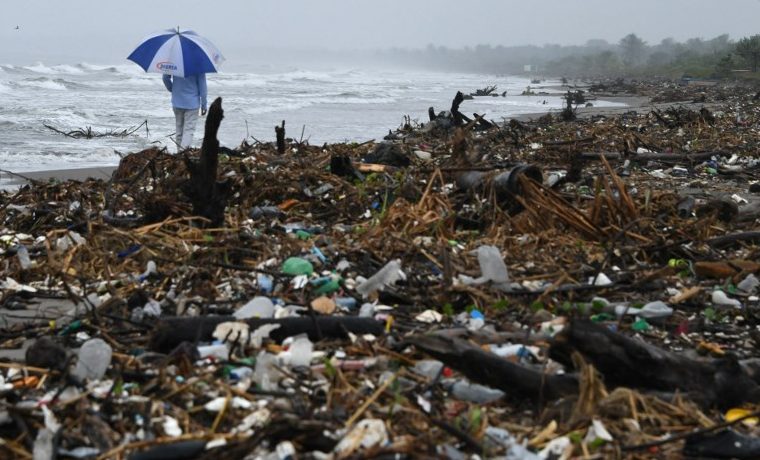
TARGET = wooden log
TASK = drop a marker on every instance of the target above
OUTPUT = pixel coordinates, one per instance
(280, 133)
(632, 363)
(494, 371)
(431, 113)
(171, 331)
(207, 195)
(455, 108)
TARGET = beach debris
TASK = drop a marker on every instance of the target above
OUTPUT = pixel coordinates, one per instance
(524, 289)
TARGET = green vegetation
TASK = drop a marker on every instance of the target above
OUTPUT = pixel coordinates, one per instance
(630, 57)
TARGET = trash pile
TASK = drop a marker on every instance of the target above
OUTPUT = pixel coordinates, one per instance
(463, 289)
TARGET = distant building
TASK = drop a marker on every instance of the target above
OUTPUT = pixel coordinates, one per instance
(530, 68)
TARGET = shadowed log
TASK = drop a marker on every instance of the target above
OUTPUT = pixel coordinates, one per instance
(494, 371)
(632, 363)
(172, 331)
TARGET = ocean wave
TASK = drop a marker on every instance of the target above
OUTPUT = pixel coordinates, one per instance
(4, 88)
(238, 82)
(303, 75)
(42, 82)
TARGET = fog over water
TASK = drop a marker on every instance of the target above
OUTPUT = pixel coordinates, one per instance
(95, 31)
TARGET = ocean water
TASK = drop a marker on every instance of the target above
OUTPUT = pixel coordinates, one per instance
(333, 105)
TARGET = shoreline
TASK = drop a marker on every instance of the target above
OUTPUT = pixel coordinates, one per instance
(10, 182)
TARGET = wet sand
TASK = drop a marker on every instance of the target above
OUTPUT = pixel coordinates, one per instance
(13, 181)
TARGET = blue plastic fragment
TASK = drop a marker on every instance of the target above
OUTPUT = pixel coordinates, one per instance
(129, 251)
(320, 255)
(266, 284)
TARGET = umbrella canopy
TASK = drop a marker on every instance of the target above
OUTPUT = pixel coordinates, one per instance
(177, 53)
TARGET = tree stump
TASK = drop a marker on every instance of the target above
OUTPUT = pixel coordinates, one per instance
(280, 132)
(207, 195)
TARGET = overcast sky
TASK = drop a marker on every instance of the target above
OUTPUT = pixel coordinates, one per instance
(105, 31)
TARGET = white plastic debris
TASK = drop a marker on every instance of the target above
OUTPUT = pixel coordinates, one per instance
(221, 351)
(720, 298)
(597, 430)
(152, 308)
(258, 307)
(255, 419)
(300, 352)
(265, 374)
(749, 284)
(23, 257)
(600, 280)
(69, 240)
(262, 332)
(171, 427)
(285, 450)
(214, 443)
(12, 285)
(150, 269)
(429, 316)
(43, 443)
(515, 449)
(94, 359)
(738, 199)
(652, 310)
(558, 448)
(217, 404)
(366, 434)
(429, 368)
(492, 266)
(386, 276)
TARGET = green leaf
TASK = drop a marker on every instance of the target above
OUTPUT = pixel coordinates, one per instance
(501, 304)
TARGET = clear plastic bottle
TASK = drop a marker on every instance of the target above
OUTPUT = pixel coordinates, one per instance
(23, 257)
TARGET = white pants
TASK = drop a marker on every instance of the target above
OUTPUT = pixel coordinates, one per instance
(186, 120)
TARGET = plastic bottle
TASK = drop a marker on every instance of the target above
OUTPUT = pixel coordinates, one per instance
(429, 368)
(475, 393)
(23, 257)
(656, 309)
(492, 265)
(265, 282)
(94, 359)
(258, 307)
(386, 276)
(749, 284)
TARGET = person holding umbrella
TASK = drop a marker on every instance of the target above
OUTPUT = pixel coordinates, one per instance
(188, 95)
(184, 58)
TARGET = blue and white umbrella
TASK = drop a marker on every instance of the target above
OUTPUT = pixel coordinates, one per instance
(177, 53)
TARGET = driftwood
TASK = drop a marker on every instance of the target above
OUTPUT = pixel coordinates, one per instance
(632, 363)
(494, 371)
(651, 156)
(280, 133)
(455, 108)
(208, 197)
(88, 133)
(172, 331)
(722, 242)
